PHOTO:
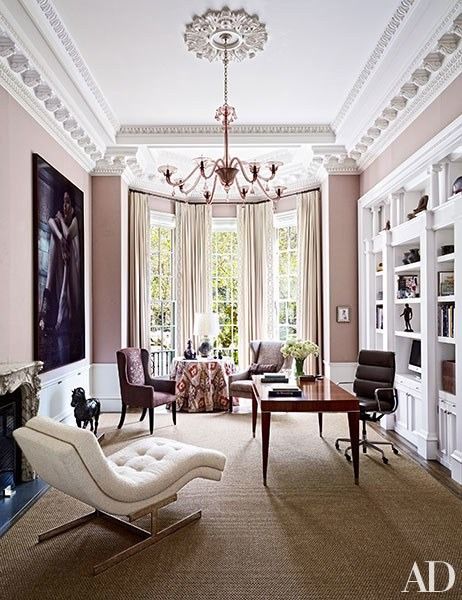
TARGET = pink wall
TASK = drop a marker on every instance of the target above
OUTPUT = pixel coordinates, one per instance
(442, 111)
(342, 286)
(20, 136)
(109, 249)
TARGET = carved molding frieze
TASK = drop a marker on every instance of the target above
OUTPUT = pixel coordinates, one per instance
(26, 378)
(58, 27)
(385, 39)
(27, 81)
(237, 129)
(439, 63)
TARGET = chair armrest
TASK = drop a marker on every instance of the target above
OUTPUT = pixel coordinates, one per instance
(243, 375)
(139, 395)
(162, 384)
(379, 391)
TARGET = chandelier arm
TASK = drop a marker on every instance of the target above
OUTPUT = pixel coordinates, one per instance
(212, 193)
(266, 179)
(181, 182)
(186, 192)
(265, 192)
(241, 166)
(212, 172)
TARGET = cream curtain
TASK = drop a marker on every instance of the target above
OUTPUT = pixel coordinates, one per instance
(309, 309)
(138, 270)
(255, 249)
(193, 274)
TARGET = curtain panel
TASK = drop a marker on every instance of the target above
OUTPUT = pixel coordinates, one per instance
(193, 235)
(309, 309)
(138, 270)
(255, 251)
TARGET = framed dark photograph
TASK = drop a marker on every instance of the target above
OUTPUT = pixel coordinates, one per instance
(59, 284)
(446, 283)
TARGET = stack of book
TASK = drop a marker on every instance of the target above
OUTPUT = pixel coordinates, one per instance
(274, 378)
(446, 320)
(379, 317)
(284, 391)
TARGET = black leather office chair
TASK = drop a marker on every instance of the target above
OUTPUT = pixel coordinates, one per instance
(373, 386)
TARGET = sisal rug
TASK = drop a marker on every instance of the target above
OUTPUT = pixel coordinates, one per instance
(311, 534)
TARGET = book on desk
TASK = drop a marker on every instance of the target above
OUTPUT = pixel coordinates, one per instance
(274, 378)
(284, 391)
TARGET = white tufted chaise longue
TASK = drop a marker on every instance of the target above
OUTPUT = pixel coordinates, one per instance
(135, 481)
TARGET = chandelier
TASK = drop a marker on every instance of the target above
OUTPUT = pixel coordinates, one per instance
(217, 39)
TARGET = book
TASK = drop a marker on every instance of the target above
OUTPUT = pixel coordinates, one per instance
(284, 390)
(274, 380)
(275, 376)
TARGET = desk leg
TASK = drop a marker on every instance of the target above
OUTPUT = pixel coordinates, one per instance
(254, 413)
(265, 435)
(320, 424)
(353, 424)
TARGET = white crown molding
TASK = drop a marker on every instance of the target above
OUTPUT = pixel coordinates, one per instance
(67, 47)
(387, 36)
(192, 134)
(434, 151)
(23, 78)
(415, 90)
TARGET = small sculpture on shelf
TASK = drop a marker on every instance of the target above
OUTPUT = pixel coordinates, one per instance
(387, 226)
(420, 207)
(189, 353)
(447, 249)
(85, 410)
(407, 314)
(411, 256)
(457, 186)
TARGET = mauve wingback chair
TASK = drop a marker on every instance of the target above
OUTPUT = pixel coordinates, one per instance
(139, 389)
(266, 356)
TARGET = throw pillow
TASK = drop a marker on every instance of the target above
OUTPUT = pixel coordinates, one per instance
(256, 369)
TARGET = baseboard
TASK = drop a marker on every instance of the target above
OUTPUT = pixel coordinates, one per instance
(104, 380)
(340, 371)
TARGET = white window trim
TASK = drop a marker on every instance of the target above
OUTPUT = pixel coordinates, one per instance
(285, 219)
(224, 224)
(161, 219)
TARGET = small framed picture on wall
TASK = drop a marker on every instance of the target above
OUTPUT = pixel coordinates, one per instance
(343, 314)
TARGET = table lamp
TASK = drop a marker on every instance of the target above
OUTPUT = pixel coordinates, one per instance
(207, 326)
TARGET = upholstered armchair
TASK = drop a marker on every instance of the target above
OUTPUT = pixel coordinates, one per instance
(139, 389)
(266, 357)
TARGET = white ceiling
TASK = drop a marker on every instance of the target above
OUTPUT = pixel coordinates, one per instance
(136, 53)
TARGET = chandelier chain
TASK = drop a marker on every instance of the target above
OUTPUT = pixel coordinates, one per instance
(225, 70)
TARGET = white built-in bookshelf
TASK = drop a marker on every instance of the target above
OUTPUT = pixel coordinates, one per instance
(429, 414)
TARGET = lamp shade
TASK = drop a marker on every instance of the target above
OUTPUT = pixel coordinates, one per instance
(206, 324)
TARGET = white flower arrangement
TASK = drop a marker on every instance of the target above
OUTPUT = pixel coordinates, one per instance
(299, 349)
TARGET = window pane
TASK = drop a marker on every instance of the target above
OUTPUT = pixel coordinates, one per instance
(286, 301)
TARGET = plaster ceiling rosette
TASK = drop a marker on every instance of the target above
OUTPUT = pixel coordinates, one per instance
(245, 34)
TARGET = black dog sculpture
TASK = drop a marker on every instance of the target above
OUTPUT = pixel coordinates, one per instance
(85, 410)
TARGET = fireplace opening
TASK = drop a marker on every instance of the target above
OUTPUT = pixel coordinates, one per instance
(10, 453)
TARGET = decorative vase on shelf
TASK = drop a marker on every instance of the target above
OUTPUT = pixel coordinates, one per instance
(299, 367)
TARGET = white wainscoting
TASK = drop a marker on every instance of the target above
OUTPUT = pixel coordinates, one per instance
(56, 392)
(104, 379)
(340, 371)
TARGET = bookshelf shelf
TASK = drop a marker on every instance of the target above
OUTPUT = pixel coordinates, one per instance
(413, 335)
(446, 258)
(446, 298)
(446, 340)
(410, 268)
(407, 300)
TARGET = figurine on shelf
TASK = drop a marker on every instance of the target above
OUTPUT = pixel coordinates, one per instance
(189, 353)
(411, 256)
(457, 186)
(420, 207)
(379, 267)
(387, 226)
(407, 314)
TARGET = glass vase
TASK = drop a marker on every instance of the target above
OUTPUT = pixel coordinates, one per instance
(299, 367)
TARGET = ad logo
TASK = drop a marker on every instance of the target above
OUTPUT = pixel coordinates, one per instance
(428, 584)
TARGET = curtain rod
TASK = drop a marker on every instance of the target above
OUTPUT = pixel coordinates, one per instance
(223, 202)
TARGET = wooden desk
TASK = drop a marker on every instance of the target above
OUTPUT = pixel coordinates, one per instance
(321, 396)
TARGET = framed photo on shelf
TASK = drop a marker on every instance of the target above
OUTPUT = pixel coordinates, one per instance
(408, 287)
(343, 314)
(446, 283)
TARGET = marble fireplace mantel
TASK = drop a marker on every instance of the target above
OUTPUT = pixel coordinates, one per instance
(23, 376)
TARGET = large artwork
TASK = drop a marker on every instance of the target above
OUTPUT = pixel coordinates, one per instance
(59, 268)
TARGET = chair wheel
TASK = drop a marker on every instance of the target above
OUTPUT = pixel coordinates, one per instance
(337, 446)
(348, 457)
(395, 451)
(385, 460)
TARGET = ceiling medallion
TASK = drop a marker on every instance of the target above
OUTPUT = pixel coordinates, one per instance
(246, 34)
(229, 170)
